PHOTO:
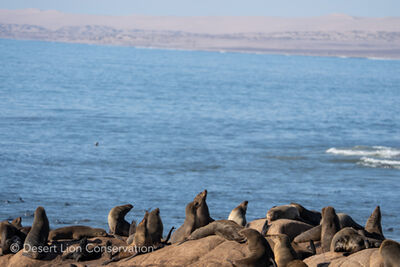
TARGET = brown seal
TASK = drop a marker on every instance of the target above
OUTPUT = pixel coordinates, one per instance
(345, 220)
(309, 216)
(10, 236)
(373, 225)
(348, 240)
(283, 250)
(390, 252)
(116, 220)
(238, 214)
(36, 240)
(227, 229)
(202, 214)
(188, 226)
(76, 232)
(141, 244)
(283, 212)
(314, 234)
(155, 226)
(260, 252)
(17, 222)
(142, 235)
(329, 227)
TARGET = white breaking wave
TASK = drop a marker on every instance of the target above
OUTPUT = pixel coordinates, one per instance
(375, 151)
(379, 163)
(375, 156)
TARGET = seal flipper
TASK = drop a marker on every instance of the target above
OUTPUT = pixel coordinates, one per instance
(168, 236)
(312, 247)
(265, 228)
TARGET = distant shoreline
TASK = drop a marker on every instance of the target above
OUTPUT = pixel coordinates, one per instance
(312, 53)
(336, 35)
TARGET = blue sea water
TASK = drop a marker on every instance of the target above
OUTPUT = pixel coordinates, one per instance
(270, 129)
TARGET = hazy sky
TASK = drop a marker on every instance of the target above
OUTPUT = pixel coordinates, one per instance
(286, 8)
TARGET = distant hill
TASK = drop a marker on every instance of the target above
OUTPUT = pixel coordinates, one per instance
(333, 35)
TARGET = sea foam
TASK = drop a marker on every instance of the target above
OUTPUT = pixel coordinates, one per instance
(379, 163)
(371, 156)
(377, 151)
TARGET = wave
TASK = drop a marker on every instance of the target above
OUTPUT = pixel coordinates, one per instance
(379, 163)
(375, 151)
(371, 156)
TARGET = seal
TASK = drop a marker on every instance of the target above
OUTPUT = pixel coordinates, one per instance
(283, 250)
(189, 225)
(141, 241)
(329, 227)
(283, 212)
(142, 235)
(313, 234)
(260, 252)
(227, 229)
(373, 225)
(84, 252)
(17, 222)
(202, 214)
(36, 240)
(309, 216)
(345, 220)
(116, 220)
(9, 235)
(390, 252)
(348, 240)
(155, 226)
(76, 232)
(238, 214)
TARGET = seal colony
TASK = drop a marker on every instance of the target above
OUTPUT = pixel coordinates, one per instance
(289, 235)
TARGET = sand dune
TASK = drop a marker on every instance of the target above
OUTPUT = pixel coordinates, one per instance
(333, 35)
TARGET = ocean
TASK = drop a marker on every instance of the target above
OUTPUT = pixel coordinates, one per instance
(270, 129)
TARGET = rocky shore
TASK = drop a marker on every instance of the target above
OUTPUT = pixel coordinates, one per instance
(288, 235)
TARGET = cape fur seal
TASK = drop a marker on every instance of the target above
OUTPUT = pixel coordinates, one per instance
(373, 225)
(314, 234)
(283, 212)
(116, 220)
(155, 226)
(202, 214)
(85, 252)
(329, 227)
(17, 222)
(76, 232)
(348, 240)
(238, 214)
(142, 235)
(309, 216)
(283, 250)
(345, 220)
(390, 252)
(260, 252)
(188, 226)
(9, 235)
(227, 229)
(141, 240)
(36, 240)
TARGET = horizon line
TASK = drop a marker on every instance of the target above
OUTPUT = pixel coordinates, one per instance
(334, 14)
